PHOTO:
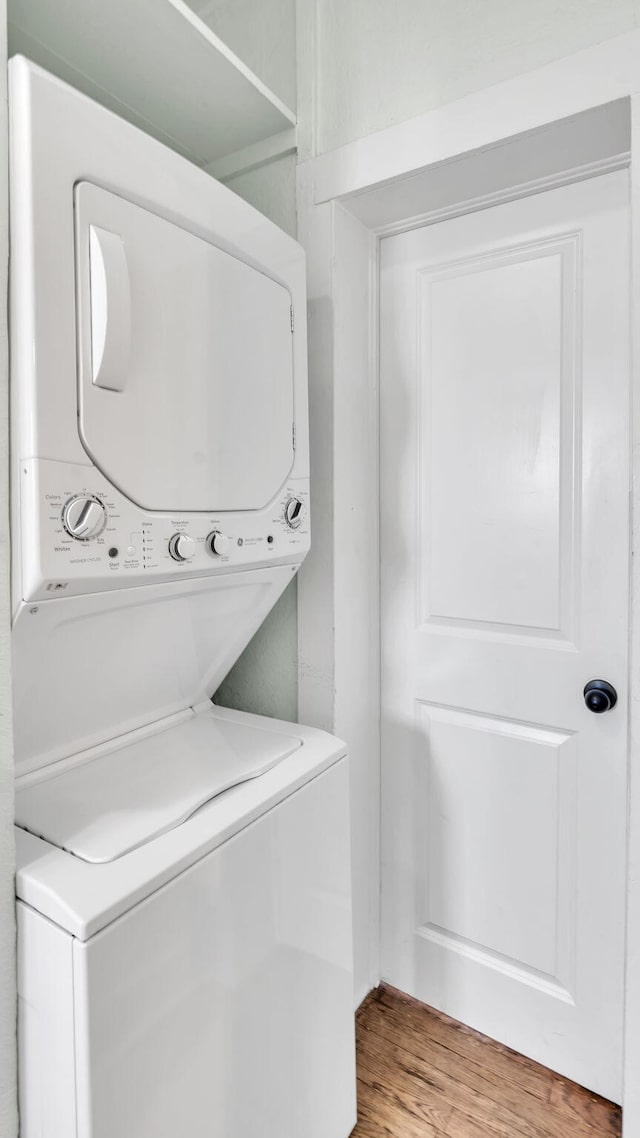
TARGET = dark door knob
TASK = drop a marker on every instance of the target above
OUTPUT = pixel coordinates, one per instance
(600, 695)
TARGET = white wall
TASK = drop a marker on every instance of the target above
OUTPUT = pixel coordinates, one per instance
(379, 62)
(8, 1109)
(265, 678)
(271, 189)
(262, 33)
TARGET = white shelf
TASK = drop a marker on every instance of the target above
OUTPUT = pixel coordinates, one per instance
(155, 63)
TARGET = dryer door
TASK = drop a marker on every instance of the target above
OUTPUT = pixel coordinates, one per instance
(185, 363)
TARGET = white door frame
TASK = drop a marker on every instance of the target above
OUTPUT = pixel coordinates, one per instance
(406, 175)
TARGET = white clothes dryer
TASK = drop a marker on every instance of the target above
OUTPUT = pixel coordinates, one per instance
(184, 897)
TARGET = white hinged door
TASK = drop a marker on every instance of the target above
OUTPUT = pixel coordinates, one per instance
(505, 575)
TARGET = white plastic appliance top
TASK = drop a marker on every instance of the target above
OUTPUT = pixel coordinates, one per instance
(84, 897)
(108, 805)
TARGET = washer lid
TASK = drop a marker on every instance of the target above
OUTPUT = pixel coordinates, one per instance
(105, 807)
(185, 353)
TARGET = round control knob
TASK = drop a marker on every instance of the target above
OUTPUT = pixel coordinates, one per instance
(84, 517)
(293, 513)
(218, 543)
(599, 696)
(181, 547)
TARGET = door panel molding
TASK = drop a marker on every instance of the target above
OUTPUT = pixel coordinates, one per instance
(508, 967)
(536, 876)
(561, 602)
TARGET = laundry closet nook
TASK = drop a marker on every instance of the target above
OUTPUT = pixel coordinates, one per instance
(319, 812)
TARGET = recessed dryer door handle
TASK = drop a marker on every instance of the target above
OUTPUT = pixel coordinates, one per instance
(110, 310)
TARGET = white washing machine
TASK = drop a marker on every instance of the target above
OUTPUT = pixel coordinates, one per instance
(183, 881)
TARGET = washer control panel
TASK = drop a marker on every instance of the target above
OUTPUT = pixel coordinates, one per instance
(80, 535)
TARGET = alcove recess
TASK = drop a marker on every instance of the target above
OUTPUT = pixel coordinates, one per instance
(161, 67)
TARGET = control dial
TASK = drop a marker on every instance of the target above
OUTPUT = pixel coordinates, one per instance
(181, 547)
(84, 517)
(599, 696)
(293, 513)
(218, 543)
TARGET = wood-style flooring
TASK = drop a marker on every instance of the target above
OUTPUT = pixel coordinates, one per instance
(423, 1075)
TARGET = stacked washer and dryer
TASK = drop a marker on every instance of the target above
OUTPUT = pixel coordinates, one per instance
(184, 907)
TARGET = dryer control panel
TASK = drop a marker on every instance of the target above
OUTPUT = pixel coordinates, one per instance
(80, 535)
